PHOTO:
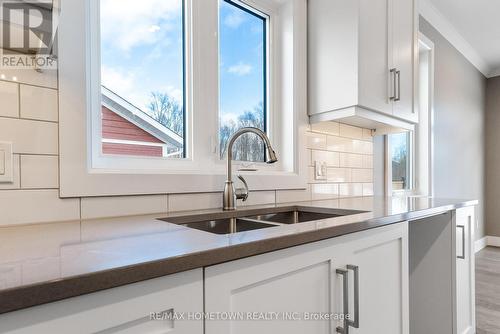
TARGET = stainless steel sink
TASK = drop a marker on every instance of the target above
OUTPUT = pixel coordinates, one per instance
(227, 226)
(294, 217)
(227, 222)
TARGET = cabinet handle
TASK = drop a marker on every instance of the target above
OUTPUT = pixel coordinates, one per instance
(463, 242)
(345, 301)
(398, 76)
(394, 87)
(355, 322)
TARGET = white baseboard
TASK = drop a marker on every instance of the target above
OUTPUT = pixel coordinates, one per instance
(480, 244)
(486, 241)
(494, 241)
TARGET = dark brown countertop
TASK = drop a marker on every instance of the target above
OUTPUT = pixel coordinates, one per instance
(49, 262)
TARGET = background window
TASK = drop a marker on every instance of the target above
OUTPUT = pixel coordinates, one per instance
(242, 76)
(142, 77)
(400, 154)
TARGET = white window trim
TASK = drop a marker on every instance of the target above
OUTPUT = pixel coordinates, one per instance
(388, 168)
(422, 187)
(417, 186)
(78, 178)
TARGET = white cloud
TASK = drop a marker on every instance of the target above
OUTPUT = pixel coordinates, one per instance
(235, 19)
(116, 80)
(127, 23)
(240, 69)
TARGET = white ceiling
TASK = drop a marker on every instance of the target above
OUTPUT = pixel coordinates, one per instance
(478, 22)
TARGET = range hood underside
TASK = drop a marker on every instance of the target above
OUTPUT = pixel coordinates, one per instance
(358, 116)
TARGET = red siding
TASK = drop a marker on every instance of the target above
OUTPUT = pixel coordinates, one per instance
(126, 149)
(117, 127)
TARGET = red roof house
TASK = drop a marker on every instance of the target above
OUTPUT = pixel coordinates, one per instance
(127, 130)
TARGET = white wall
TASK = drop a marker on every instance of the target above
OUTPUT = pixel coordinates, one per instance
(459, 125)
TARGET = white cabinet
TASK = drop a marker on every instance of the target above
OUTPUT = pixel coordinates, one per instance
(465, 298)
(404, 27)
(288, 286)
(381, 260)
(121, 310)
(361, 57)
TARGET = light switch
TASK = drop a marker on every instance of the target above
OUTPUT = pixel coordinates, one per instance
(2, 162)
(320, 170)
(6, 163)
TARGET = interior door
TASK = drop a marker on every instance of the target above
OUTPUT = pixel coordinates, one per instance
(404, 47)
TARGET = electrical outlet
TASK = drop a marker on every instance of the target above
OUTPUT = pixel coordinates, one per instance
(320, 170)
(6, 167)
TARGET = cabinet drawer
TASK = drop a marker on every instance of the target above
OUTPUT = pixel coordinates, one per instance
(122, 310)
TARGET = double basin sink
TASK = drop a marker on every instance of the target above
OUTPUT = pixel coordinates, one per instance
(253, 219)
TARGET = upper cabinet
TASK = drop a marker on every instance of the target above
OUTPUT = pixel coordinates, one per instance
(362, 58)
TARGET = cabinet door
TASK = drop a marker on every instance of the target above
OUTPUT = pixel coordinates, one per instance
(148, 307)
(404, 46)
(381, 260)
(466, 323)
(375, 56)
(281, 286)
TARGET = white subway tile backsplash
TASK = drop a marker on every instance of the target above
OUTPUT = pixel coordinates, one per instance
(30, 137)
(331, 128)
(339, 144)
(362, 147)
(350, 131)
(183, 202)
(39, 103)
(285, 196)
(259, 198)
(36, 206)
(316, 141)
(367, 189)
(102, 207)
(331, 158)
(46, 78)
(339, 175)
(9, 99)
(16, 173)
(39, 171)
(362, 175)
(367, 161)
(350, 189)
(324, 191)
(350, 160)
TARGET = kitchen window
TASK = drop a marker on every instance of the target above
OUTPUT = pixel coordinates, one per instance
(142, 78)
(243, 77)
(164, 83)
(400, 148)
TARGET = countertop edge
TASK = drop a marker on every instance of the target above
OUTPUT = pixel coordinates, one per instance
(46, 292)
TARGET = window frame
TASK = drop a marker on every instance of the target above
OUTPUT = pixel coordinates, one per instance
(258, 9)
(79, 178)
(410, 166)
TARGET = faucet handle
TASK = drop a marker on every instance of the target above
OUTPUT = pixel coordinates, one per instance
(242, 193)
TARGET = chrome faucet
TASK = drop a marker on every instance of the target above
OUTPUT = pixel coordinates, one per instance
(231, 194)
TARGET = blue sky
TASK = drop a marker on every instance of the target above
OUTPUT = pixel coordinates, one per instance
(141, 52)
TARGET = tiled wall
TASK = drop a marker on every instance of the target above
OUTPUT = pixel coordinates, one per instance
(348, 152)
(29, 119)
